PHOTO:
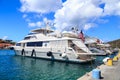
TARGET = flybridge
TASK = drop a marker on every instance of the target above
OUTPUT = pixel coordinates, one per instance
(43, 30)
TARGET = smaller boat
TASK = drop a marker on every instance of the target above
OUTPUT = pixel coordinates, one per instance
(98, 52)
(97, 47)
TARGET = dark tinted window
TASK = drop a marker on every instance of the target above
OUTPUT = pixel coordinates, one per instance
(18, 44)
(34, 44)
(29, 37)
(26, 38)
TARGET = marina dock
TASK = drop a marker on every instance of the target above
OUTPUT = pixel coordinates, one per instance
(107, 72)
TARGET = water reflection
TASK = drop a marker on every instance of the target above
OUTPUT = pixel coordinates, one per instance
(42, 69)
(25, 68)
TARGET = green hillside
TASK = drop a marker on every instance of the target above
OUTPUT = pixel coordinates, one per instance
(7, 41)
(115, 43)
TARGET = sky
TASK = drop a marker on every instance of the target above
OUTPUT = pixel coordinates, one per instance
(97, 18)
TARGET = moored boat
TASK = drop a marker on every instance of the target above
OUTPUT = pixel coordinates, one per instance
(41, 43)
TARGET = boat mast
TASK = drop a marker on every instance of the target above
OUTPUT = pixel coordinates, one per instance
(47, 27)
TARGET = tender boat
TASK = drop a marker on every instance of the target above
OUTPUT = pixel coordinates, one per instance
(44, 43)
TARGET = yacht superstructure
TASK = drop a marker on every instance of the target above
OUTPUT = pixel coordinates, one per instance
(44, 43)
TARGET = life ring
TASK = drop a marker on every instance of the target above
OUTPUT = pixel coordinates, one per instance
(33, 53)
(49, 53)
(23, 52)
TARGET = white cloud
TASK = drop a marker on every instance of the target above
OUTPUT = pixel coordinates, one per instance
(89, 25)
(77, 12)
(25, 15)
(31, 24)
(35, 24)
(38, 15)
(81, 13)
(40, 6)
(103, 21)
(112, 7)
(5, 37)
(40, 23)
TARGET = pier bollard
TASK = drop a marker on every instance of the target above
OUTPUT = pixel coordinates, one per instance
(115, 58)
(109, 62)
(105, 60)
(96, 74)
(118, 55)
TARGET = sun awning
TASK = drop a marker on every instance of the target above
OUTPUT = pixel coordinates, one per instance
(42, 30)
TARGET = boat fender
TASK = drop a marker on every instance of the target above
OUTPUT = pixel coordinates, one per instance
(33, 53)
(23, 52)
(64, 55)
(49, 53)
(11, 48)
(60, 54)
(105, 59)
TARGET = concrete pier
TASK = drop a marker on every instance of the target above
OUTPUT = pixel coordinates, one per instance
(107, 72)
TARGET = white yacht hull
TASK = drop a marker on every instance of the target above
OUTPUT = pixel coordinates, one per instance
(41, 43)
(55, 56)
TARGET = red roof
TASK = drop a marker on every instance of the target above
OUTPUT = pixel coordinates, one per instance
(3, 45)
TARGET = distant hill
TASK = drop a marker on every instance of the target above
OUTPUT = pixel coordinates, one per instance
(115, 43)
(6, 43)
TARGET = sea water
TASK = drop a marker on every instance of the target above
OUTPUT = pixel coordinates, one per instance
(23, 68)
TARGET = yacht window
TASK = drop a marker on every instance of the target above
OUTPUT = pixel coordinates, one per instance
(94, 51)
(45, 43)
(18, 44)
(32, 33)
(37, 44)
(33, 37)
(27, 38)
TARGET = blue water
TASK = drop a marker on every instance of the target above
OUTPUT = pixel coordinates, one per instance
(23, 68)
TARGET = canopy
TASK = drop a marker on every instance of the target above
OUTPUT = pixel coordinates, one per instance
(42, 30)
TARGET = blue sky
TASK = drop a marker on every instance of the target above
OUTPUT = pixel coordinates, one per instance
(97, 18)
